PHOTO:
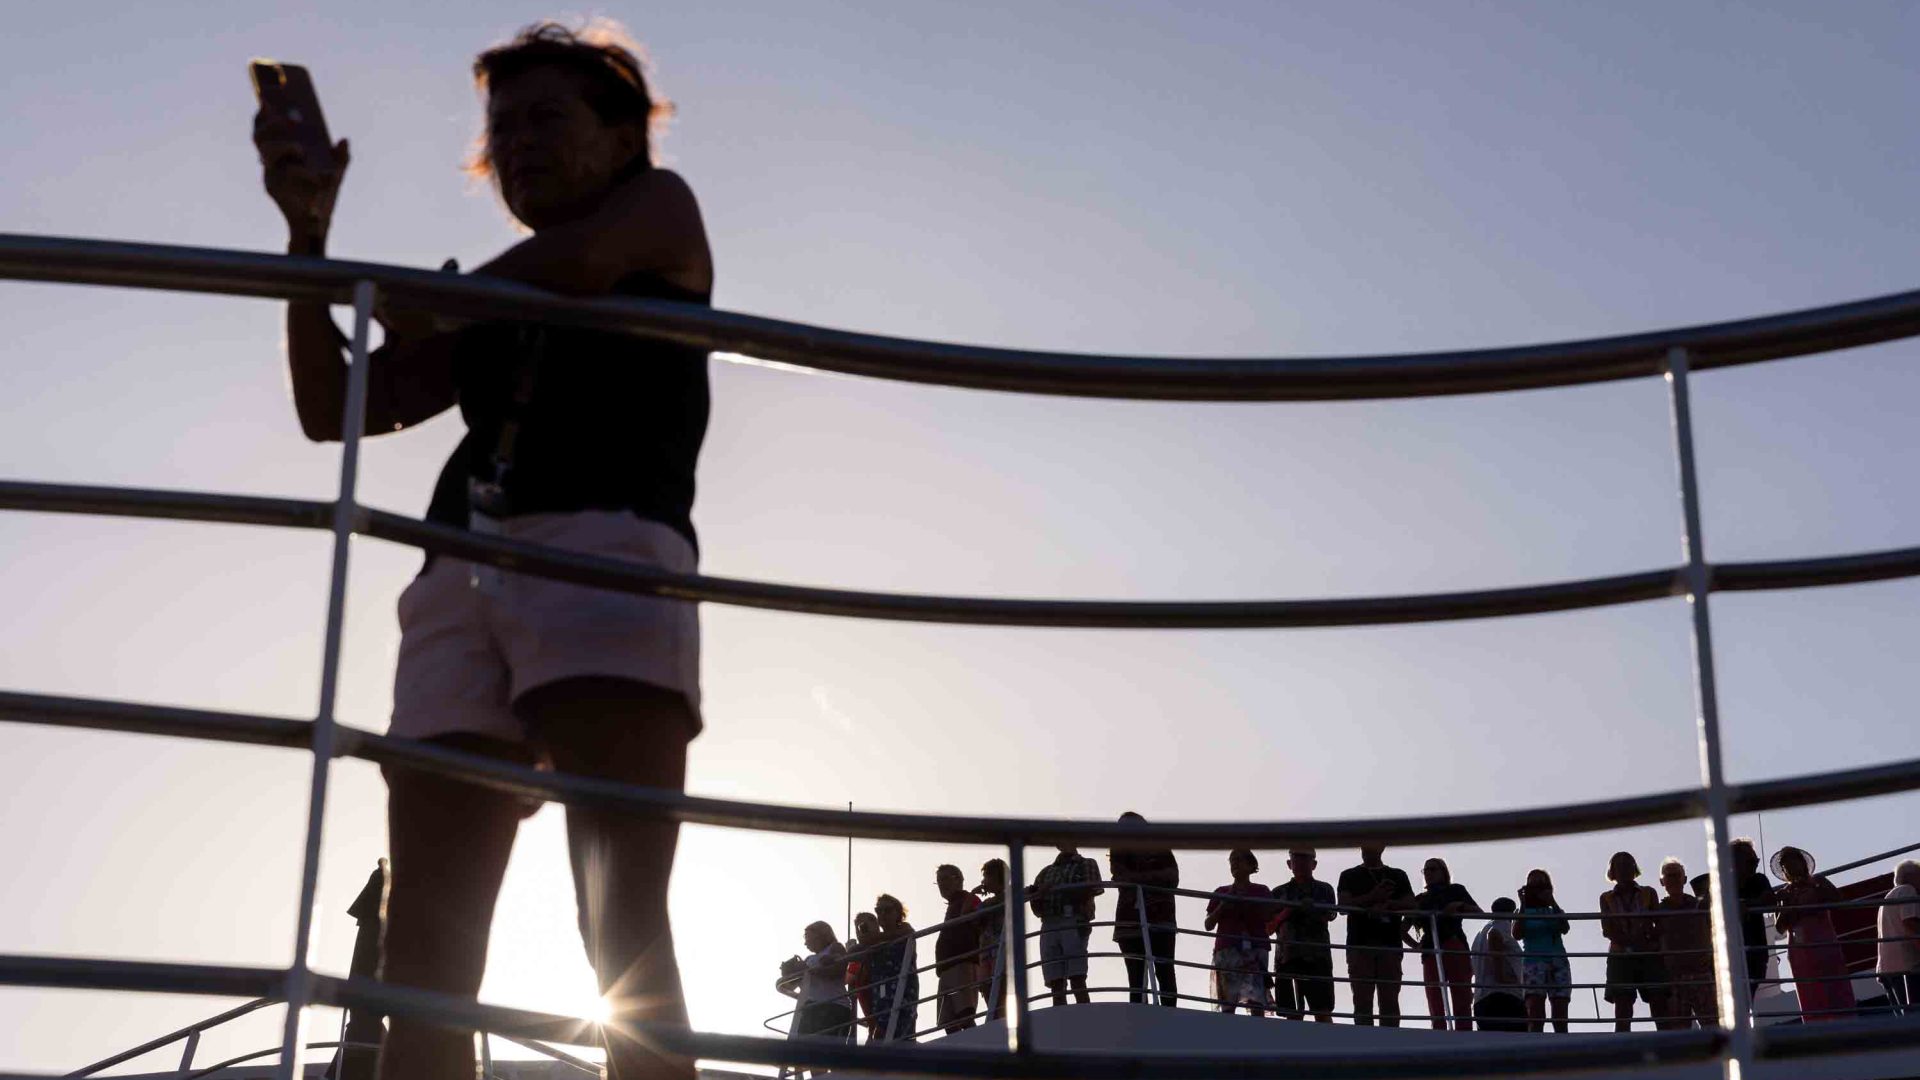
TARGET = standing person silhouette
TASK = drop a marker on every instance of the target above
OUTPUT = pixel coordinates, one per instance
(1373, 935)
(576, 439)
(1137, 933)
(1547, 975)
(359, 1058)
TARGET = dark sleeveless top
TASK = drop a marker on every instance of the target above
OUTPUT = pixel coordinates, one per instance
(613, 422)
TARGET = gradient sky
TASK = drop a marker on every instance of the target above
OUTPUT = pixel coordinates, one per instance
(1251, 179)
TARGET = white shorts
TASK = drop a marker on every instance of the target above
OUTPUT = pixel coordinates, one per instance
(468, 653)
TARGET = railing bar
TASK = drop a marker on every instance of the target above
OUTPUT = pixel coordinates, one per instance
(1538, 821)
(92, 973)
(1099, 614)
(186, 1032)
(100, 715)
(345, 515)
(1728, 959)
(163, 504)
(1223, 379)
(1639, 1048)
(1014, 945)
(614, 574)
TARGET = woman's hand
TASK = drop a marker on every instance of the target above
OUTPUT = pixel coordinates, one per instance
(304, 194)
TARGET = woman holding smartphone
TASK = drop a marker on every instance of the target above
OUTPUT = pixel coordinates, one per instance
(1544, 969)
(576, 439)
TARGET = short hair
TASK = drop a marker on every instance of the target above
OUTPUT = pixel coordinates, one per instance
(1302, 849)
(888, 898)
(865, 917)
(1132, 815)
(1247, 854)
(1627, 855)
(999, 865)
(1503, 904)
(821, 925)
(611, 66)
(1743, 843)
(1701, 883)
(947, 869)
(1908, 869)
(1674, 862)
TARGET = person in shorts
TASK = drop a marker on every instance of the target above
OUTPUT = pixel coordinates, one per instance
(1686, 937)
(1302, 949)
(1062, 898)
(578, 439)
(1635, 969)
(1373, 935)
(1544, 970)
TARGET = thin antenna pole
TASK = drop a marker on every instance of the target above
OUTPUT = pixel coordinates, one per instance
(849, 877)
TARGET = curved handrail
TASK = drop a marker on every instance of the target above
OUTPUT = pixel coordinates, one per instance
(243, 273)
(827, 821)
(644, 580)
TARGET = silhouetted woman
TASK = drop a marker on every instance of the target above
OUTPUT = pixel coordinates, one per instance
(890, 971)
(1544, 969)
(1240, 937)
(576, 439)
(1813, 949)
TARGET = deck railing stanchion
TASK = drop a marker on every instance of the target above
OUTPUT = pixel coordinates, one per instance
(1014, 943)
(345, 517)
(1152, 976)
(186, 1054)
(1728, 957)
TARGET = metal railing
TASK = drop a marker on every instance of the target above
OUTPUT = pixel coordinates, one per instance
(1672, 354)
(895, 1028)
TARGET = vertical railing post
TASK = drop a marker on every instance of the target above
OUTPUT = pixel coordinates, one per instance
(1019, 1039)
(1729, 972)
(186, 1055)
(1152, 980)
(1447, 1020)
(346, 515)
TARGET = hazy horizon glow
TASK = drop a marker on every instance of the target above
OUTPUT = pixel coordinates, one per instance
(1244, 180)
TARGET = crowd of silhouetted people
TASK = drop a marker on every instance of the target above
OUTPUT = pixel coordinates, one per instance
(1273, 948)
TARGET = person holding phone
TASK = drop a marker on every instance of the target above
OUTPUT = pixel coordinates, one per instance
(1544, 970)
(575, 439)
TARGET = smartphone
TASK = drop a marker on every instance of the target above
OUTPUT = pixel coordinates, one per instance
(288, 90)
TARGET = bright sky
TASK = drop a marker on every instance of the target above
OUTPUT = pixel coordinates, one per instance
(1251, 179)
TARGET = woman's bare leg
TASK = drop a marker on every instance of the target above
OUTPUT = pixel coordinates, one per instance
(450, 841)
(617, 729)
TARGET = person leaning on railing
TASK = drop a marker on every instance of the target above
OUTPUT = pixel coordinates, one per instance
(577, 439)
(890, 969)
(992, 892)
(1545, 970)
(1154, 869)
(1302, 949)
(818, 983)
(1634, 965)
(1813, 948)
(1440, 906)
(1062, 899)
(866, 934)
(1756, 900)
(1686, 937)
(1898, 957)
(1373, 938)
(954, 952)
